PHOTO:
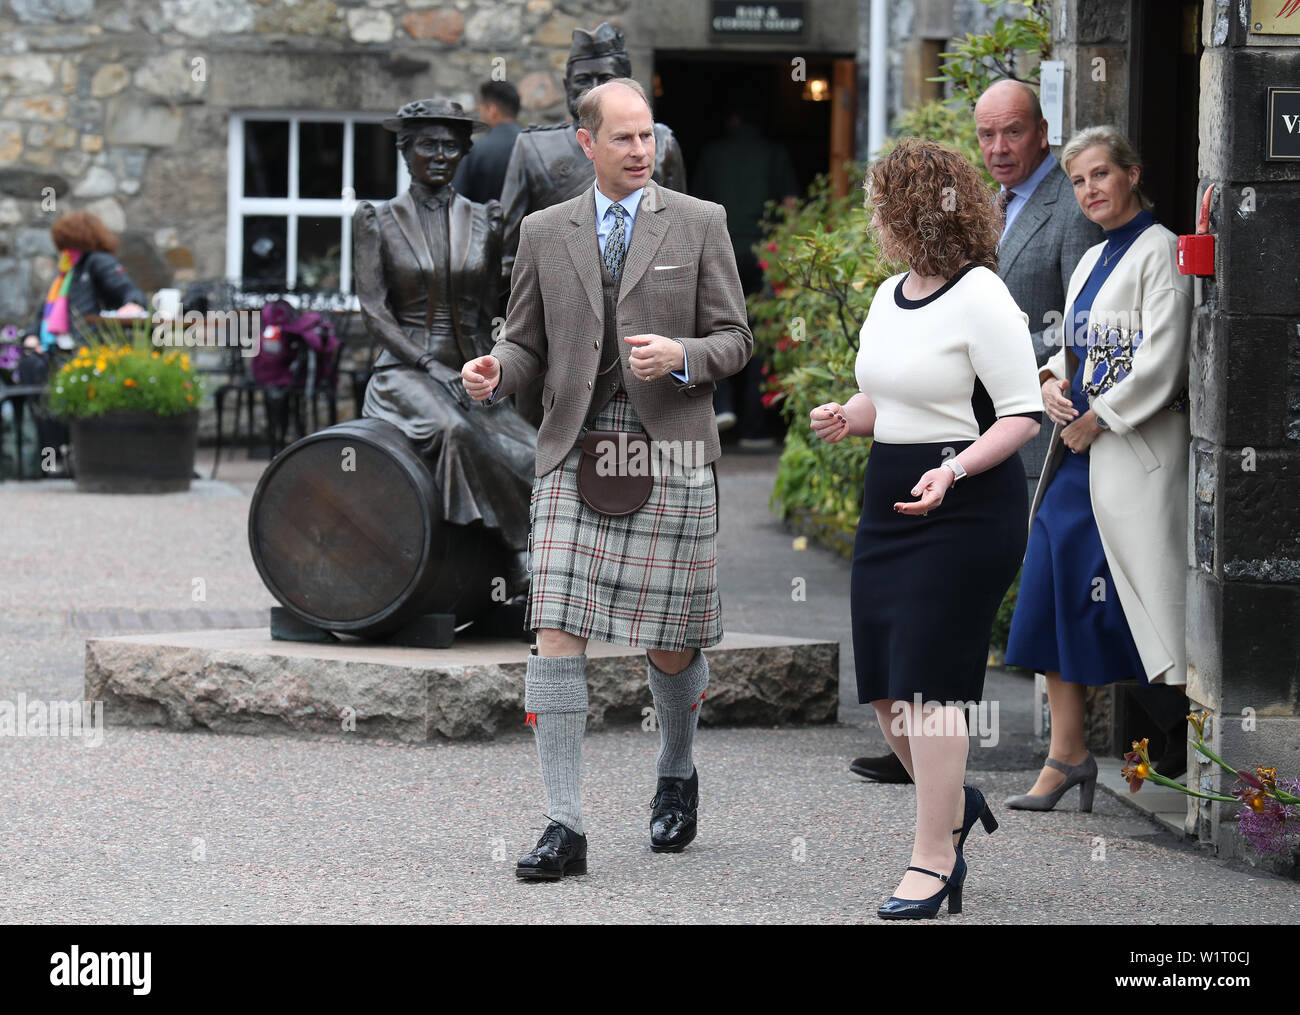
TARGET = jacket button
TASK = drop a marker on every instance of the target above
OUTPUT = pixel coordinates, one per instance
(589, 385)
(595, 345)
(690, 387)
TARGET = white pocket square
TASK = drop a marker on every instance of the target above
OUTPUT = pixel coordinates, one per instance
(668, 267)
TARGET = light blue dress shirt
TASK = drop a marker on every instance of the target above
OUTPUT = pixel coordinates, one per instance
(1024, 191)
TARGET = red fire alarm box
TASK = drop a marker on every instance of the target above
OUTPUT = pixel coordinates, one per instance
(1196, 253)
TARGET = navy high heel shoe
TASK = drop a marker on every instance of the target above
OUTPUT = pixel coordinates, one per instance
(927, 909)
(975, 809)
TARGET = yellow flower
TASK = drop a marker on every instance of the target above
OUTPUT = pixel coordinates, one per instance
(1197, 719)
(1268, 776)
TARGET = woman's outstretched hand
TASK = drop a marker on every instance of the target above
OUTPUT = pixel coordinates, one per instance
(1057, 403)
(829, 422)
(930, 488)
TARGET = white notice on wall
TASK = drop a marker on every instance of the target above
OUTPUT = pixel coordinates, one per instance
(1052, 96)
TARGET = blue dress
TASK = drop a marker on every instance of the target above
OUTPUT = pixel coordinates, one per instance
(1068, 617)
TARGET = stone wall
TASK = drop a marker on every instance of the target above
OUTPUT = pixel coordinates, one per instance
(121, 107)
(1244, 590)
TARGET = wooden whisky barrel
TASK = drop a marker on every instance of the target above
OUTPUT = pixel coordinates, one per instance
(345, 531)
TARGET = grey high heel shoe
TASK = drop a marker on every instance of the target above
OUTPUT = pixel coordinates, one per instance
(1083, 775)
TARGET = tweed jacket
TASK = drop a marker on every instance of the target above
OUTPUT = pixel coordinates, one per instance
(1039, 254)
(1035, 260)
(679, 280)
(1138, 468)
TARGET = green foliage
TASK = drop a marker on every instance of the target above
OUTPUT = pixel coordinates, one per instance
(976, 61)
(822, 270)
(120, 369)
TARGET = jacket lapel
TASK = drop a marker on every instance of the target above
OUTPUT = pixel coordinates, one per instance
(584, 250)
(408, 220)
(647, 235)
(1030, 220)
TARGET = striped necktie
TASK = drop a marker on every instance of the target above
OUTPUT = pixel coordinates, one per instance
(616, 245)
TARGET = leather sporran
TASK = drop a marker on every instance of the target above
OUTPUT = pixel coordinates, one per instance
(614, 487)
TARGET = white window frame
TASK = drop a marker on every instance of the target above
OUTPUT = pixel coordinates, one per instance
(293, 207)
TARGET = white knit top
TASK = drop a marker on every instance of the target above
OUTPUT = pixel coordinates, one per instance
(926, 364)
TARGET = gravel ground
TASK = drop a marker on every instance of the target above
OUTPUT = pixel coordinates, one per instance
(166, 827)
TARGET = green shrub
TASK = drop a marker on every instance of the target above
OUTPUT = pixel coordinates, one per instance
(122, 370)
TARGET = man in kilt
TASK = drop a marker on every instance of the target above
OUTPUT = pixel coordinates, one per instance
(626, 302)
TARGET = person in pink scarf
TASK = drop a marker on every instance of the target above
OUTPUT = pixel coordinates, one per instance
(90, 280)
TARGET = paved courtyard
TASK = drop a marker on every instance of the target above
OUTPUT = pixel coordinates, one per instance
(156, 826)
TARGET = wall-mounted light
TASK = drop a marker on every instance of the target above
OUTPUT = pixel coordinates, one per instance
(657, 87)
(816, 90)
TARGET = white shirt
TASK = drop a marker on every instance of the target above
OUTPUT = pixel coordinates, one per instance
(1022, 192)
(919, 365)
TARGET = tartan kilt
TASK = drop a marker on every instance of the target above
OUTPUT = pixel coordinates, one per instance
(648, 579)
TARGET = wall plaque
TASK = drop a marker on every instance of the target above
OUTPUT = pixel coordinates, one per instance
(732, 18)
(1275, 17)
(1283, 125)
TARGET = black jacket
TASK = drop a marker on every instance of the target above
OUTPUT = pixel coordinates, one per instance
(99, 282)
(482, 173)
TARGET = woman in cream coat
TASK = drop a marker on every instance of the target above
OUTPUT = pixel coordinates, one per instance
(1102, 595)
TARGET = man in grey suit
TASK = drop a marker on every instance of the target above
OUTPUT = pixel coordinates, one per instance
(626, 302)
(1046, 231)
(1044, 236)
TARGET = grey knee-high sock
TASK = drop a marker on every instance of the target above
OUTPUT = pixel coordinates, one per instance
(555, 691)
(677, 707)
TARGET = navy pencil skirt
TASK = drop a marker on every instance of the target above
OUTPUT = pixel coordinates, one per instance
(925, 589)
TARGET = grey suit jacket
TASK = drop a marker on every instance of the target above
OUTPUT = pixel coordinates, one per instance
(679, 280)
(1035, 260)
(1039, 253)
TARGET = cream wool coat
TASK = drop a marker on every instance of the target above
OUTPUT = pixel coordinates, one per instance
(1139, 467)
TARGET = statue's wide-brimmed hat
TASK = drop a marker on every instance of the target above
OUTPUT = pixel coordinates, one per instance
(432, 111)
(606, 40)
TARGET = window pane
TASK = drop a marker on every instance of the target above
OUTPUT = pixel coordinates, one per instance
(374, 162)
(320, 160)
(266, 158)
(320, 243)
(265, 250)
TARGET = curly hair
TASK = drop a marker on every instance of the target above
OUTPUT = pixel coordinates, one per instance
(935, 208)
(80, 230)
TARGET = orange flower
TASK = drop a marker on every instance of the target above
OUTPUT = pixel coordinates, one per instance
(129, 383)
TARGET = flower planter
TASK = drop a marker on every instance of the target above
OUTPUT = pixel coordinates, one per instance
(133, 451)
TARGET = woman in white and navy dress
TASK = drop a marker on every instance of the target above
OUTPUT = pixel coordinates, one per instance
(1102, 597)
(949, 392)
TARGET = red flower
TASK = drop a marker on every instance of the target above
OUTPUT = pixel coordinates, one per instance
(777, 287)
(772, 247)
(783, 343)
(763, 265)
(771, 398)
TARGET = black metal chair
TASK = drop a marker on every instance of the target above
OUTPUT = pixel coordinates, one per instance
(281, 404)
(20, 397)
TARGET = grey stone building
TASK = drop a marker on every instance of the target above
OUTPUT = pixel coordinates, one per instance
(226, 138)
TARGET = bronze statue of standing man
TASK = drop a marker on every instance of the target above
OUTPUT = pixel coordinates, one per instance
(427, 266)
(547, 165)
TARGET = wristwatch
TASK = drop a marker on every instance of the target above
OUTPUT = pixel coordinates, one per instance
(1100, 422)
(955, 467)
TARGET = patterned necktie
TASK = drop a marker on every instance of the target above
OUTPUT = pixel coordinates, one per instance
(1004, 199)
(615, 247)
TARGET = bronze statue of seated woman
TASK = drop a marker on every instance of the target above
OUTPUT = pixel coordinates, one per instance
(427, 269)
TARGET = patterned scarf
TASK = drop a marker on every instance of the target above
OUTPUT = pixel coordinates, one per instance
(54, 318)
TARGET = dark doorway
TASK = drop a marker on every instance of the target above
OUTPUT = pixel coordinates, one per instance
(691, 89)
(1164, 101)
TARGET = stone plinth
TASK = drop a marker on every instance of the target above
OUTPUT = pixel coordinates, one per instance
(240, 681)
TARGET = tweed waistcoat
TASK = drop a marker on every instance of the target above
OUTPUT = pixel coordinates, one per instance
(609, 376)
